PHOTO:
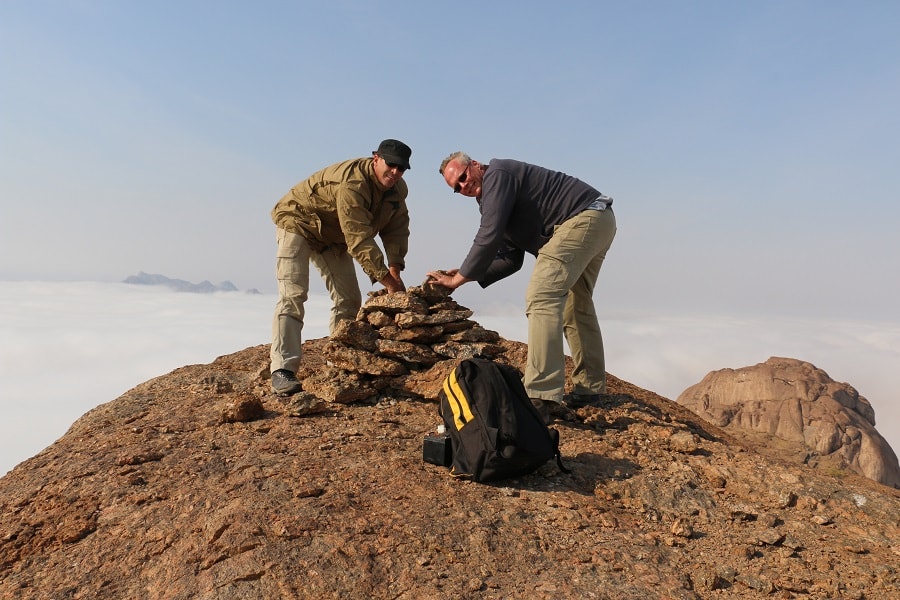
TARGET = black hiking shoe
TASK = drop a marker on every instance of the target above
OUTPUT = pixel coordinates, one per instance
(550, 410)
(581, 400)
(284, 383)
(561, 412)
(542, 408)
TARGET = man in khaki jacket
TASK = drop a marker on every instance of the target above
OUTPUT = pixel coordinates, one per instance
(331, 219)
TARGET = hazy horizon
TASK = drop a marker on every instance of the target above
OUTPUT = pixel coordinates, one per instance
(69, 347)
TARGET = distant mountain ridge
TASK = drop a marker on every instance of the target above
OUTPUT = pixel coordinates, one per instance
(180, 285)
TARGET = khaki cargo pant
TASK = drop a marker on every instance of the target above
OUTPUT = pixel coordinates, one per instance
(559, 301)
(338, 270)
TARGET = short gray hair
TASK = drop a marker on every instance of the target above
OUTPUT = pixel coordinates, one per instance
(458, 155)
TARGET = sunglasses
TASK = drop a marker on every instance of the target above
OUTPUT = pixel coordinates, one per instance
(393, 165)
(462, 179)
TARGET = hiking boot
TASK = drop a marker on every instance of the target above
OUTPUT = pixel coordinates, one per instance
(284, 383)
(561, 411)
(543, 409)
(549, 409)
(580, 400)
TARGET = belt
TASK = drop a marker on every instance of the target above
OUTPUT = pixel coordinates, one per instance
(601, 203)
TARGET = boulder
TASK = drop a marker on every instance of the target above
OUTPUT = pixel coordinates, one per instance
(793, 401)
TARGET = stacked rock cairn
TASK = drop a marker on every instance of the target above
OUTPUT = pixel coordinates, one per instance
(394, 336)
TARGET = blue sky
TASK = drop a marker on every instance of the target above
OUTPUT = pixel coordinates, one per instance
(751, 147)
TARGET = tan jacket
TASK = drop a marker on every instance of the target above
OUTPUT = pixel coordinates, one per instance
(344, 205)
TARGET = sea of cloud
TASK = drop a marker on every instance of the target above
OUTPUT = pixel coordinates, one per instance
(69, 347)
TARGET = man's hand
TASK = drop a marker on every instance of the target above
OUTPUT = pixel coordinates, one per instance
(395, 271)
(391, 282)
(449, 279)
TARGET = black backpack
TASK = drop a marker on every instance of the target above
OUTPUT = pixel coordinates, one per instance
(495, 430)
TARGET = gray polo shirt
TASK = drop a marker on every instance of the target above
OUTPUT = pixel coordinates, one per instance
(520, 205)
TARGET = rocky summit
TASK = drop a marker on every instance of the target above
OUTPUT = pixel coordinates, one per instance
(202, 484)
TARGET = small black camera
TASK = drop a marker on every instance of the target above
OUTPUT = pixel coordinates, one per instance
(438, 449)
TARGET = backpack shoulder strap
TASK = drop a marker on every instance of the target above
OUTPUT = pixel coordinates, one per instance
(554, 435)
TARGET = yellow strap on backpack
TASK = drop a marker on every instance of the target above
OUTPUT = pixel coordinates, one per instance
(459, 404)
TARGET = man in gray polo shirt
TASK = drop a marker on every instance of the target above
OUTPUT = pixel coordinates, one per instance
(569, 226)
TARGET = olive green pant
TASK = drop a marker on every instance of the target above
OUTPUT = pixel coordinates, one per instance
(338, 270)
(559, 302)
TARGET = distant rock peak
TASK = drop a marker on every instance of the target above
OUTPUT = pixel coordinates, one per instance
(180, 285)
(794, 401)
